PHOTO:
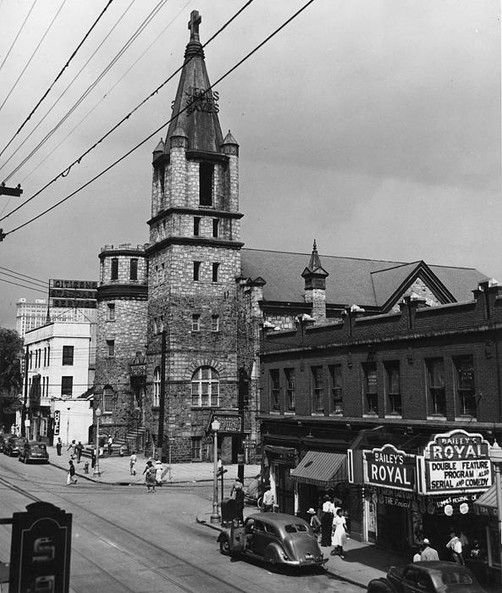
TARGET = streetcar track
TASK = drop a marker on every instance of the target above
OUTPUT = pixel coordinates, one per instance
(129, 532)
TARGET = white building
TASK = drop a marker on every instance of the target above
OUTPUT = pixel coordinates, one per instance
(60, 360)
(30, 315)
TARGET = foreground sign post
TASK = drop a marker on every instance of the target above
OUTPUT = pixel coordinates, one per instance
(40, 550)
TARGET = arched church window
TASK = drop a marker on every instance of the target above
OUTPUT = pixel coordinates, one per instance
(156, 388)
(108, 397)
(205, 387)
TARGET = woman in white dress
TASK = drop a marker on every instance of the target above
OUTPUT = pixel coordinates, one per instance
(339, 538)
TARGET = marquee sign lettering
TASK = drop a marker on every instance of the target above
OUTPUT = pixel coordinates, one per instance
(389, 467)
(455, 461)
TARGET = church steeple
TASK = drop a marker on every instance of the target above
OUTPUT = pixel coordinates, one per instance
(315, 285)
(195, 108)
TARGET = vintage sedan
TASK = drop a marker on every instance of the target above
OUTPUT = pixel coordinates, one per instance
(427, 577)
(34, 451)
(13, 444)
(276, 538)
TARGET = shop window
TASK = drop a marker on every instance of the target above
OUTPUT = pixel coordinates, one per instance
(205, 387)
(133, 269)
(196, 449)
(275, 389)
(466, 393)
(317, 389)
(196, 270)
(196, 226)
(206, 172)
(111, 311)
(216, 227)
(108, 397)
(195, 322)
(435, 383)
(68, 352)
(290, 389)
(156, 388)
(370, 388)
(336, 387)
(393, 388)
(115, 269)
(66, 386)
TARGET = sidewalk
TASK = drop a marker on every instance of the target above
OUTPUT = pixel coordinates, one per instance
(115, 470)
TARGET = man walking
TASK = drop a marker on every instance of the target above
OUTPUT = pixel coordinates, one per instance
(71, 479)
(455, 545)
(132, 463)
(78, 451)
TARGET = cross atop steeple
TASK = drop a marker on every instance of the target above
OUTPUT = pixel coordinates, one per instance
(193, 25)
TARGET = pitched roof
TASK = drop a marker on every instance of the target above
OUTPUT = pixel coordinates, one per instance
(351, 280)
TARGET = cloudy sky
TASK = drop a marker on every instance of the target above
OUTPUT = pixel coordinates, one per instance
(372, 126)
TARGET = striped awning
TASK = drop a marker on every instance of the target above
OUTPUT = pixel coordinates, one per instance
(486, 504)
(321, 469)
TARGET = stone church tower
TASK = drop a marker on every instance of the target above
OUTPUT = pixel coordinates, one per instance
(194, 263)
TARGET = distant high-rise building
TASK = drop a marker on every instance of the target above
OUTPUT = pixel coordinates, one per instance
(30, 314)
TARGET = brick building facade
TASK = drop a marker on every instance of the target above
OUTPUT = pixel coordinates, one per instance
(344, 391)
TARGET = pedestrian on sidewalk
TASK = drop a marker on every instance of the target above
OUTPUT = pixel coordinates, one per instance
(455, 545)
(132, 463)
(59, 446)
(239, 502)
(71, 449)
(150, 474)
(315, 522)
(70, 478)
(110, 445)
(78, 451)
(339, 534)
(327, 521)
(417, 557)
(159, 468)
(268, 500)
(428, 552)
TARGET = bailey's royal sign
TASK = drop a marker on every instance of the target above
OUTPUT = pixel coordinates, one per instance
(389, 467)
(457, 461)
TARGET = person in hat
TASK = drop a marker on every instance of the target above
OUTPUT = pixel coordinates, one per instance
(328, 510)
(315, 522)
(428, 552)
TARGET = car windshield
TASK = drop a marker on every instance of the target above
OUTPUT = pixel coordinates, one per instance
(295, 527)
(451, 576)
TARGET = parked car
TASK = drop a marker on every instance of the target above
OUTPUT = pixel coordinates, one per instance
(3, 437)
(427, 577)
(276, 538)
(34, 451)
(12, 445)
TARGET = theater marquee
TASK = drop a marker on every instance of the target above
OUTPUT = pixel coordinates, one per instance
(390, 468)
(457, 461)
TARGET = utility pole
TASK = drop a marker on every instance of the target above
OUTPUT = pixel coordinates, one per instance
(243, 393)
(162, 406)
(23, 411)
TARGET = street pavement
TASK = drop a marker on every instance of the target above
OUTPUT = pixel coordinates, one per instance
(361, 563)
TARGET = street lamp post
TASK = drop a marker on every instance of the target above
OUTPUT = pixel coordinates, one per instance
(215, 517)
(495, 455)
(96, 473)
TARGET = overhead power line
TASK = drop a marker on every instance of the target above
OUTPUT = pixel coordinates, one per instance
(150, 136)
(123, 120)
(108, 92)
(16, 277)
(89, 89)
(33, 54)
(24, 286)
(57, 77)
(25, 275)
(18, 33)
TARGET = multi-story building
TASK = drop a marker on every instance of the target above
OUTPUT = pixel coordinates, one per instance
(30, 314)
(391, 413)
(59, 368)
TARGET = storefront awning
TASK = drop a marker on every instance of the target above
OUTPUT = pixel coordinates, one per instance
(321, 469)
(486, 504)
